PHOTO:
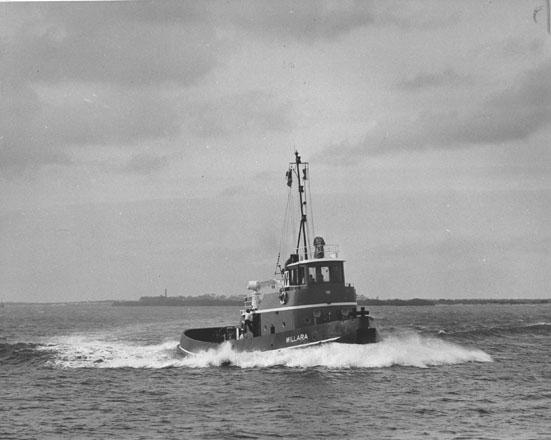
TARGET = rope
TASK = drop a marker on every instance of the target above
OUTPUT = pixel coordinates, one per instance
(291, 231)
(311, 214)
(285, 227)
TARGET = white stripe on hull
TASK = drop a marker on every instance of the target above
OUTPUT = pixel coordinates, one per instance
(306, 306)
(310, 343)
(185, 351)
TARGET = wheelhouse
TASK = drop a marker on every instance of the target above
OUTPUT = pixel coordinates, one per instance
(314, 272)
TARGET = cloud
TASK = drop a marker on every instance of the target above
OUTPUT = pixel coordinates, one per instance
(106, 42)
(79, 74)
(516, 47)
(434, 79)
(145, 163)
(417, 15)
(39, 125)
(238, 113)
(107, 115)
(21, 140)
(511, 115)
(303, 20)
(16, 159)
(167, 11)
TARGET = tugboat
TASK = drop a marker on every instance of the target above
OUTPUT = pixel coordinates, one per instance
(308, 303)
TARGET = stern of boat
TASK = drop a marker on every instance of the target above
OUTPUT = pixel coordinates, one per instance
(195, 340)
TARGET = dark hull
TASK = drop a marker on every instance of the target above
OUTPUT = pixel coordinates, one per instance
(351, 331)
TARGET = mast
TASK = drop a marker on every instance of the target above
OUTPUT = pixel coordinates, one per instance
(300, 169)
(302, 227)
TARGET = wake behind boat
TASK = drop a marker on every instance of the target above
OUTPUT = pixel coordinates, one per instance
(308, 303)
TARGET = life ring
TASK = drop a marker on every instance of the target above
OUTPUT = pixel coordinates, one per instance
(283, 297)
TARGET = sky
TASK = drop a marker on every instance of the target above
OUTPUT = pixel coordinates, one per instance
(143, 145)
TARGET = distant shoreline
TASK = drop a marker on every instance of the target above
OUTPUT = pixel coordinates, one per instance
(431, 302)
(202, 300)
(208, 300)
(211, 300)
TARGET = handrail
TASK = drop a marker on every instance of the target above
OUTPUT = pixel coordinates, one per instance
(328, 250)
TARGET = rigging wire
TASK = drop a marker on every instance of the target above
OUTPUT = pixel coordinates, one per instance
(307, 205)
(311, 213)
(291, 232)
(284, 230)
(294, 232)
(289, 228)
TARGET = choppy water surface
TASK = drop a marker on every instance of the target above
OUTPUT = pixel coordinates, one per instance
(96, 371)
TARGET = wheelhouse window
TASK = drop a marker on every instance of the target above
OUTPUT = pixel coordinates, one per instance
(324, 271)
(315, 274)
(312, 276)
(291, 276)
(301, 275)
(337, 273)
(296, 276)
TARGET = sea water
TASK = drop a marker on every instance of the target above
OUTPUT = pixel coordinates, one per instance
(94, 371)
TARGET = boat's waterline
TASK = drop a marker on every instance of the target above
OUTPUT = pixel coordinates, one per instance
(309, 344)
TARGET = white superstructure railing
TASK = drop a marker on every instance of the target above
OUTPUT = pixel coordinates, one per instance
(329, 251)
